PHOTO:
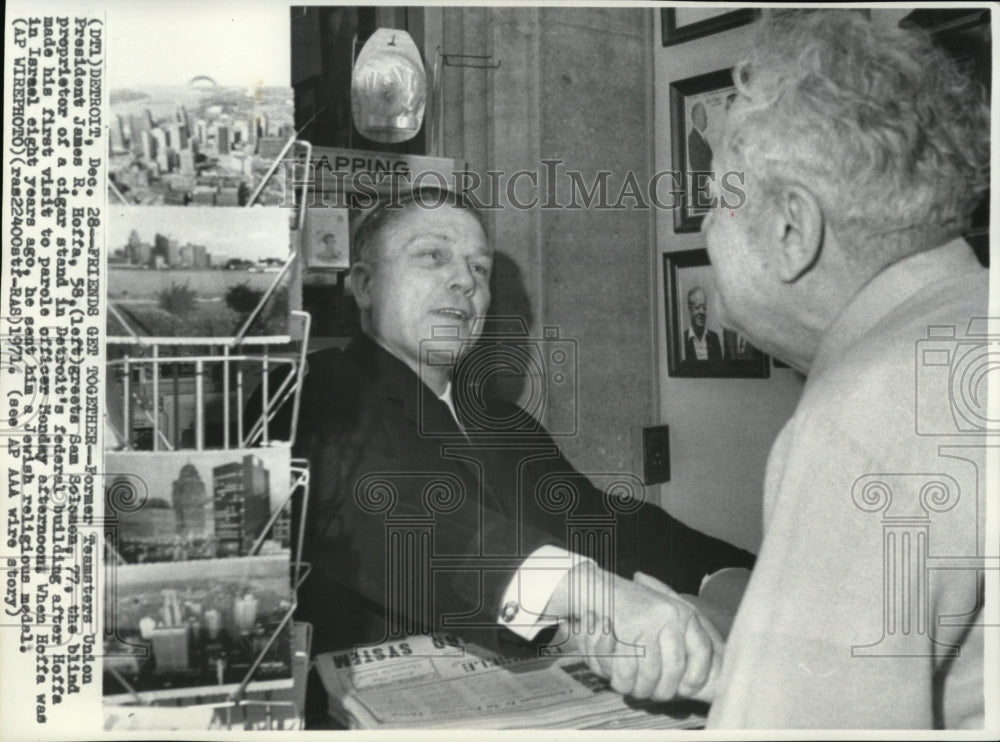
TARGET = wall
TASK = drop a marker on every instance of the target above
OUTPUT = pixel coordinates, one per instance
(721, 429)
(574, 84)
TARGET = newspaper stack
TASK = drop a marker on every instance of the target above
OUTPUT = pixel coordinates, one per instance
(442, 682)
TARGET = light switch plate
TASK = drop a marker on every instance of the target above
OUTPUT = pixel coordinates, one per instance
(656, 454)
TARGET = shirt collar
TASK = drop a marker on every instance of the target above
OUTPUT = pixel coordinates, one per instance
(450, 404)
(445, 397)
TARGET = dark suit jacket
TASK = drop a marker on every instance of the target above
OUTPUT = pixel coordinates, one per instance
(731, 347)
(699, 152)
(412, 526)
(712, 344)
(700, 168)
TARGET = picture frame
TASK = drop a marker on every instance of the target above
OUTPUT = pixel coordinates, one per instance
(697, 112)
(204, 272)
(721, 352)
(678, 25)
(964, 34)
(328, 246)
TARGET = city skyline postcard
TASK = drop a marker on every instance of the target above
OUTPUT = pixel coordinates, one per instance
(179, 506)
(199, 581)
(205, 275)
(178, 630)
(196, 120)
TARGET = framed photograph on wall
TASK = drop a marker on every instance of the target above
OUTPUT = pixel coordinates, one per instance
(328, 239)
(964, 33)
(697, 112)
(698, 345)
(684, 24)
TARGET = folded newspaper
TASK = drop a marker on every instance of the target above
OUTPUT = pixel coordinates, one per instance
(439, 681)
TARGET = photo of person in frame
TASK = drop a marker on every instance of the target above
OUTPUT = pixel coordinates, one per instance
(705, 114)
(329, 239)
(700, 343)
(329, 250)
(700, 331)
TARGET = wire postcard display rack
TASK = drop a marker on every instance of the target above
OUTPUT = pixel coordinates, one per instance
(200, 394)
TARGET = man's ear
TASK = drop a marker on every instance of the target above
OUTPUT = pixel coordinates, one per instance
(361, 280)
(801, 227)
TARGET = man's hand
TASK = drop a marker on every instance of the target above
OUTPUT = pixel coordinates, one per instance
(718, 599)
(649, 643)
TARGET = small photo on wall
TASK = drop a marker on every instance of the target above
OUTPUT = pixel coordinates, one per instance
(698, 344)
(701, 331)
(328, 245)
(698, 107)
(685, 24)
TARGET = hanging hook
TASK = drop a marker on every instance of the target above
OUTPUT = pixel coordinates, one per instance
(475, 61)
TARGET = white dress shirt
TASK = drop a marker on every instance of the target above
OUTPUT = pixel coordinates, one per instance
(700, 344)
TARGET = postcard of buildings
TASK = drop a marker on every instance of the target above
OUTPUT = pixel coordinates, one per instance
(204, 275)
(200, 105)
(173, 630)
(177, 506)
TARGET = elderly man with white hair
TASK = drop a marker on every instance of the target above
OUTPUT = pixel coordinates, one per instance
(864, 152)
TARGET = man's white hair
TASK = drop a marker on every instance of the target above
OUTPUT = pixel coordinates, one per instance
(875, 121)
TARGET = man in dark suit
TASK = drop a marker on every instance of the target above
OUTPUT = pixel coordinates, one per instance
(699, 150)
(700, 343)
(422, 517)
(700, 158)
(735, 347)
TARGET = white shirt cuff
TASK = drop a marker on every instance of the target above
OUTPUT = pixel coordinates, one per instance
(523, 605)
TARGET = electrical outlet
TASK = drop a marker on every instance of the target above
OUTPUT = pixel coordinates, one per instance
(656, 454)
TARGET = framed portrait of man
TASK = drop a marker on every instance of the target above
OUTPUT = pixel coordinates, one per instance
(698, 108)
(698, 344)
(678, 25)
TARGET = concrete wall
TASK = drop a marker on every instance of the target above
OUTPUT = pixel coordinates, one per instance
(575, 85)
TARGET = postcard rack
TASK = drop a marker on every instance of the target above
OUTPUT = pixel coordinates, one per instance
(164, 400)
(144, 386)
(221, 393)
(150, 386)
